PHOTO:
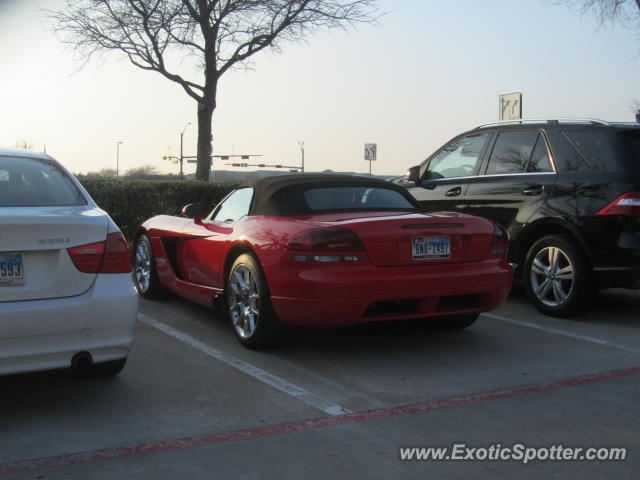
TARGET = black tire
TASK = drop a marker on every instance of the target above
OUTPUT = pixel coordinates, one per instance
(145, 275)
(248, 304)
(454, 323)
(558, 277)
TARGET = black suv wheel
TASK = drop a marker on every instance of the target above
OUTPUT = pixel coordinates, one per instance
(557, 276)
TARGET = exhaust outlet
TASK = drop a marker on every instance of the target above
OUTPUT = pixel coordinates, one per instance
(81, 361)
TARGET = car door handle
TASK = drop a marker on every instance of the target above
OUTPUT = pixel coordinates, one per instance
(453, 192)
(534, 190)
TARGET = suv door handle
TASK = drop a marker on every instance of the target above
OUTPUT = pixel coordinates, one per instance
(534, 190)
(453, 192)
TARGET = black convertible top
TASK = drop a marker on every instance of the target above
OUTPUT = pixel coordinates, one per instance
(283, 194)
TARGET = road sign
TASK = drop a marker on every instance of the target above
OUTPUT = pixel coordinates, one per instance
(370, 150)
(511, 106)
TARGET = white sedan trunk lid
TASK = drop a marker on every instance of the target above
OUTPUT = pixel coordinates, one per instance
(34, 240)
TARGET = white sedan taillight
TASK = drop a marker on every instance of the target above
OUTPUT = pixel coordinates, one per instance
(110, 256)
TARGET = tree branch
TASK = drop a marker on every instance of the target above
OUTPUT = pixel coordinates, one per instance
(220, 33)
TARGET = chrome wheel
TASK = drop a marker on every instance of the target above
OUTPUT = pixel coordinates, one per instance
(142, 266)
(552, 276)
(244, 300)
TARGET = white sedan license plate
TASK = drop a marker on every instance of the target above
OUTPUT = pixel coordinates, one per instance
(425, 248)
(11, 269)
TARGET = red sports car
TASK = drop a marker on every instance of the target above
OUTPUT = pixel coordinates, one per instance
(321, 250)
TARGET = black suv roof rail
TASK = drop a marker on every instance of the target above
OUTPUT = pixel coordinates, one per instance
(592, 121)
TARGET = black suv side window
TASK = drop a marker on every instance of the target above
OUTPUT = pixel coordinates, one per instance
(518, 152)
(592, 151)
(540, 158)
(459, 158)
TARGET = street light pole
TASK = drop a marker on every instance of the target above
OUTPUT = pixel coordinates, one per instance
(302, 152)
(181, 156)
(118, 158)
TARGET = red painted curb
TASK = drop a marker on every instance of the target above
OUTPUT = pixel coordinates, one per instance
(322, 422)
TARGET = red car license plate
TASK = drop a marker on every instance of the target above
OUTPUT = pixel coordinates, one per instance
(425, 248)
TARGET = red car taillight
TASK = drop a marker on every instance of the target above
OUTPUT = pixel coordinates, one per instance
(110, 256)
(326, 240)
(627, 205)
(499, 241)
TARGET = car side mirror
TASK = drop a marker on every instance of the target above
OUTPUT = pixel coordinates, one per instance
(193, 210)
(413, 175)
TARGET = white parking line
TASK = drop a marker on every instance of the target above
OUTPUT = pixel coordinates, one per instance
(565, 333)
(276, 382)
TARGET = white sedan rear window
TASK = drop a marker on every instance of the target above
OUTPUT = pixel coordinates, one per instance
(26, 182)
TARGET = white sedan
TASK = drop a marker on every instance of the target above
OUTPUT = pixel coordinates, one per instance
(66, 294)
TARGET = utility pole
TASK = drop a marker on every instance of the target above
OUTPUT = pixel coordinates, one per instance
(302, 152)
(181, 156)
(118, 159)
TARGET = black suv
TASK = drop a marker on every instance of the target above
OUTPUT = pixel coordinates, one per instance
(566, 190)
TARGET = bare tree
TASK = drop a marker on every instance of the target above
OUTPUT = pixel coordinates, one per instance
(104, 173)
(165, 36)
(635, 108)
(144, 172)
(625, 12)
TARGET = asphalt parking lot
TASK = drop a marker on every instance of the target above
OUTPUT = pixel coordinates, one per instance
(337, 403)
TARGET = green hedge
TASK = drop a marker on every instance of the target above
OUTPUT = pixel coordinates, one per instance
(130, 202)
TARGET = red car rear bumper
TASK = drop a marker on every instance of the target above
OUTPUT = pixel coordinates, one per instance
(330, 294)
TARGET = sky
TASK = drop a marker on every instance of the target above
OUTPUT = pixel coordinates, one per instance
(429, 69)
